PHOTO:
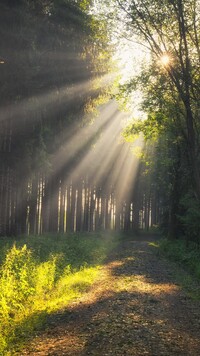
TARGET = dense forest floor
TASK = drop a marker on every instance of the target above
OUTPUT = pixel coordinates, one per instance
(137, 308)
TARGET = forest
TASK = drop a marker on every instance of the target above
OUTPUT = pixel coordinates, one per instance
(99, 159)
(65, 165)
(56, 69)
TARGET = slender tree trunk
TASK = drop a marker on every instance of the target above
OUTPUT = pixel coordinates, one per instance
(127, 216)
(21, 209)
(46, 207)
(53, 218)
(73, 207)
(117, 215)
(68, 222)
(33, 206)
(79, 207)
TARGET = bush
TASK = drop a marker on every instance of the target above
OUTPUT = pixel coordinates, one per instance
(191, 217)
(39, 275)
(17, 280)
(187, 254)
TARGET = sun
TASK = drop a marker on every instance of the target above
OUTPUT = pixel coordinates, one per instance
(165, 59)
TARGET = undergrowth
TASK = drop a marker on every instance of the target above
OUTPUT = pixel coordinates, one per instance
(187, 255)
(39, 275)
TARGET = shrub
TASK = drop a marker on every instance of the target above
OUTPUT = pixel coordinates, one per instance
(17, 280)
(187, 254)
(41, 274)
(191, 217)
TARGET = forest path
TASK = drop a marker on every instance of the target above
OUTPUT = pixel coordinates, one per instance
(136, 309)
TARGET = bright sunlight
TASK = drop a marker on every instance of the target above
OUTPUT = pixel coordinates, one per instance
(165, 59)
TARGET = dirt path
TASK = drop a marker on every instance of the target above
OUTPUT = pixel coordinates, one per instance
(136, 309)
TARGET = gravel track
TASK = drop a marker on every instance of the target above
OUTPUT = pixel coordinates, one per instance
(137, 308)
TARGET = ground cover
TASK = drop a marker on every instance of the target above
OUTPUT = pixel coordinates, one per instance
(41, 274)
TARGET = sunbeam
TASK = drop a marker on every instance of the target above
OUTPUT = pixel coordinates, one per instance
(109, 166)
(104, 148)
(66, 165)
(50, 99)
(78, 139)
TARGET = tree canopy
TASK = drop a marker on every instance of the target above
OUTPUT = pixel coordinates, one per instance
(170, 82)
(54, 61)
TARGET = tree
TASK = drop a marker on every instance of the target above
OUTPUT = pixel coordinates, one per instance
(47, 75)
(169, 29)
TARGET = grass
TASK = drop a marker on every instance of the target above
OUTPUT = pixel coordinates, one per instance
(41, 274)
(186, 255)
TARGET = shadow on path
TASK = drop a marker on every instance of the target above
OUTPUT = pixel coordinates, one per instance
(135, 309)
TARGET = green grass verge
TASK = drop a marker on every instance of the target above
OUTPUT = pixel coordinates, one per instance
(186, 255)
(41, 274)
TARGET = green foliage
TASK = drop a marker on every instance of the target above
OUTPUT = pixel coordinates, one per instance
(187, 254)
(150, 128)
(170, 97)
(18, 272)
(55, 46)
(191, 217)
(41, 274)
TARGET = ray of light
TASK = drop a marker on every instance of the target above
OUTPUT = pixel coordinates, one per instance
(111, 163)
(107, 153)
(80, 142)
(102, 147)
(123, 172)
(52, 99)
(109, 159)
(127, 175)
